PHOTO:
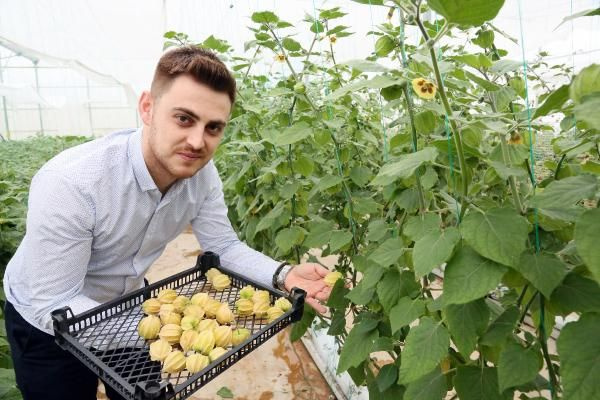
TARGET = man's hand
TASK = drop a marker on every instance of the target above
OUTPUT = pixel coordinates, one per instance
(309, 276)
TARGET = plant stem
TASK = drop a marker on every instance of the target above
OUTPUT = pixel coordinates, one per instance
(522, 295)
(411, 116)
(524, 314)
(250, 65)
(557, 170)
(456, 133)
(542, 337)
(282, 51)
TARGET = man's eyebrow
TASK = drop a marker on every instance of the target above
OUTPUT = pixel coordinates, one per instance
(196, 117)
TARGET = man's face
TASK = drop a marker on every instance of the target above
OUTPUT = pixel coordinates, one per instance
(182, 129)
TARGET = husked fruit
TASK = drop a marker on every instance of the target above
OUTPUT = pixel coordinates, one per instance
(167, 296)
(212, 307)
(200, 299)
(196, 362)
(283, 303)
(207, 325)
(216, 353)
(211, 273)
(246, 292)
(170, 318)
(244, 307)
(171, 333)
(149, 327)
(205, 342)
(174, 362)
(180, 302)
(261, 296)
(273, 313)
(223, 335)
(151, 306)
(189, 322)
(239, 335)
(332, 277)
(224, 314)
(194, 311)
(260, 308)
(159, 350)
(166, 308)
(188, 338)
(221, 282)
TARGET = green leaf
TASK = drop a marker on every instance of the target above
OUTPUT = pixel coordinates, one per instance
(425, 122)
(586, 13)
(388, 252)
(587, 111)
(293, 134)
(587, 82)
(500, 234)
(358, 345)
(290, 44)
(566, 192)
(270, 218)
(360, 175)
(387, 289)
(502, 67)
(434, 249)
(474, 383)
(289, 237)
(579, 351)
(430, 387)
(466, 323)
(365, 205)
(377, 230)
(304, 165)
(501, 327)
(337, 298)
(425, 346)
(469, 277)
(467, 13)
(576, 293)
(406, 167)
(505, 172)
(365, 66)
(264, 17)
(219, 45)
(517, 365)
(300, 327)
(387, 376)
(418, 226)
(405, 312)
(587, 232)
(225, 393)
(339, 239)
(553, 102)
(378, 82)
(544, 271)
(384, 46)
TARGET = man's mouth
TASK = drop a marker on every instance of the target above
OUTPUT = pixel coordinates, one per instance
(189, 156)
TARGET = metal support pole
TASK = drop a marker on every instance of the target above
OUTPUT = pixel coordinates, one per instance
(5, 111)
(89, 101)
(37, 86)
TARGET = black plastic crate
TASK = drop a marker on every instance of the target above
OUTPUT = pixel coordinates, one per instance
(105, 338)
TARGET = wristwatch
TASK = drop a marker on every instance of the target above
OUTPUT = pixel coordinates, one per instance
(280, 274)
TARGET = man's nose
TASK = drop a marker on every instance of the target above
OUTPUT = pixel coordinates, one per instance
(196, 138)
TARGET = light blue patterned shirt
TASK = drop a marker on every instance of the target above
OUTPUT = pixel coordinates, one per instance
(96, 223)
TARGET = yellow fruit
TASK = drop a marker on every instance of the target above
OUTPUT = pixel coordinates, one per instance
(205, 342)
(244, 307)
(239, 335)
(189, 322)
(170, 318)
(159, 350)
(260, 308)
(283, 303)
(196, 363)
(200, 299)
(180, 302)
(194, 311)
(167, 296)
(261, 296)
(223, 335)
(216, 353)
(151, 306)
(211, 273)
(171, 333)
(332, 277)
(188, 338)
(166, 308)
(221, 282)
(212, 307)
(224, 314)
(174, 362)
(207, 325)
(149, 327)
(246, 292)
(273, 313)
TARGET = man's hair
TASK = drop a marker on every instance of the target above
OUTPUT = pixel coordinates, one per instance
(201, 64)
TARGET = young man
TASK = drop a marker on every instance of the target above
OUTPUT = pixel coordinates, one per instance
(102, 212)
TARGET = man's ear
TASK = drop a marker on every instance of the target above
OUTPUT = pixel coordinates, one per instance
(145, 107)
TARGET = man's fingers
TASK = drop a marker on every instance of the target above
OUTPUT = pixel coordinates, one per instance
(322, 271)
(323, 294)
(316, 305)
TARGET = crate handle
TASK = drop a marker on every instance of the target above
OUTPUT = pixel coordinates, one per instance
(60, 323)
(298, 295)
(208, 260)
(153, 390)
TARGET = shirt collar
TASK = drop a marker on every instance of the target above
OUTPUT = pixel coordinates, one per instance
(140, 170)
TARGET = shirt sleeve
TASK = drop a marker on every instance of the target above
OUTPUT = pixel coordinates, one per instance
(60, 223)
(215, 233)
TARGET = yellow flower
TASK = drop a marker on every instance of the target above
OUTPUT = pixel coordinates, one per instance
(332, 39)
(280, 58)
(424, 88)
